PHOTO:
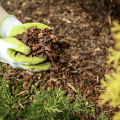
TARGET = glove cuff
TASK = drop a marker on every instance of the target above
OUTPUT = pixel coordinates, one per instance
(7, 24)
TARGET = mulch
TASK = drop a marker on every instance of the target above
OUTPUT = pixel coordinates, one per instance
(43, 42)
(83, 65)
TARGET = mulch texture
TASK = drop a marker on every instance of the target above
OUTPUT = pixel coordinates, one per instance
(43, 42)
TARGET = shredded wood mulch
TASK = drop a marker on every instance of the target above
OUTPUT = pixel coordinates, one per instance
(43, 42)
(83, 65)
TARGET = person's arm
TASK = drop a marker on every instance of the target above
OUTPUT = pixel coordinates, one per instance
(3, 13)
(7, 22)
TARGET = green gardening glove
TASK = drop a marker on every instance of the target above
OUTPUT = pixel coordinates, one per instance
(11, 48)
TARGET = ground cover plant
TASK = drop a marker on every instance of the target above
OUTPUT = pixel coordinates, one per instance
(52, 104)
(83, 65)
(112, 83)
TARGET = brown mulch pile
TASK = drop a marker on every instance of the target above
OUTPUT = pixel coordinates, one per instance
(43, 42)
(83, 65)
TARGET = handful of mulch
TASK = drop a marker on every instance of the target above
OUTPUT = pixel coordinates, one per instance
(43, 42)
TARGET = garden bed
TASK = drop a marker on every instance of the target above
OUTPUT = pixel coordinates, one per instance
(82, 66)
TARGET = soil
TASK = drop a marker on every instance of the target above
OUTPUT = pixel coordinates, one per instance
(83, 65)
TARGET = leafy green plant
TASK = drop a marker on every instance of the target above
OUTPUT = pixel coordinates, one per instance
(112, 83)
(54, 105)
(1, 1)
(93, 111)
(7, 108)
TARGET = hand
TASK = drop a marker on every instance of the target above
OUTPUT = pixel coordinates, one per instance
(11, 48)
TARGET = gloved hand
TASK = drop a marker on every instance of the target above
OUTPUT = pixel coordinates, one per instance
(11, 48)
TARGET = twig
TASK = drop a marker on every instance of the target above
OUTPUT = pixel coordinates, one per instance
(69, 85)
(24, 39)
(37, 52)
